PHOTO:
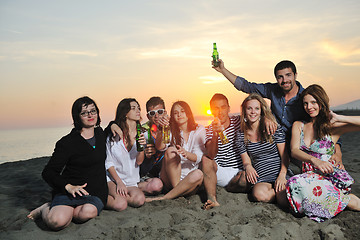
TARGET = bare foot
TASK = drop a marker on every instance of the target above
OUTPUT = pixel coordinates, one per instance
(210, 204)
(154, 199)
(34, 214)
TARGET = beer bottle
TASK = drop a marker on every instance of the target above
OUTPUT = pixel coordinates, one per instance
(139, 146)
(150, 139)
(215, 56)
(166, 134)
(223, 137)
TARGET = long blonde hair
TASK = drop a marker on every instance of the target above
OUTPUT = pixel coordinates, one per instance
(265, 113)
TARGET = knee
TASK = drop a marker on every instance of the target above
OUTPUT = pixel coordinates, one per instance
(138, 200)
(87, 212)
(170, 154)
(58, 221)
(196, 177)
(261, 195)
(155, 186)
(207, 165)
(119, 205)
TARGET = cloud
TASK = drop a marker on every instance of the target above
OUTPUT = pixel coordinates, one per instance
(346, 53)
(212, 79)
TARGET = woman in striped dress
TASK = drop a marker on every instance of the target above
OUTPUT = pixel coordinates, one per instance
(264, 157)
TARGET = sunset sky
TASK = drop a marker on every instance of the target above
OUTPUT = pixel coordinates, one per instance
(53, 52)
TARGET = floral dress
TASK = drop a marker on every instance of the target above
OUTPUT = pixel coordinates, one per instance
(317, 195)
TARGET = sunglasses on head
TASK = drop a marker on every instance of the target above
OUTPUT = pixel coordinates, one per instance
(158, 111)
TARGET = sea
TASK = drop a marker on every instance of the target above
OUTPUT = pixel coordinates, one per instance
(24, 144)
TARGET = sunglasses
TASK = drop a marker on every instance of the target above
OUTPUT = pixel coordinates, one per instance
(158, 111)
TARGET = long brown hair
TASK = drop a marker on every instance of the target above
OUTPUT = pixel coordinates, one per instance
(120, 117)
(322, 124)
(265, 113)
(176, 138)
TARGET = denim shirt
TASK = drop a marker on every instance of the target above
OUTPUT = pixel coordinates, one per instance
(285, 113)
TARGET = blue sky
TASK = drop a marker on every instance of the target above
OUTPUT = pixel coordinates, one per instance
(52, 52)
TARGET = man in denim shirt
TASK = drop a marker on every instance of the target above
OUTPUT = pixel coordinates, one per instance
(284, 95)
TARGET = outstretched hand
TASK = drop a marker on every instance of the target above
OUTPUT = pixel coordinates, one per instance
(73, 190)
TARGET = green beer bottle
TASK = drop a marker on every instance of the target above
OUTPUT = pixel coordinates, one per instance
(139, 146)
(150, 139)
(215, 56)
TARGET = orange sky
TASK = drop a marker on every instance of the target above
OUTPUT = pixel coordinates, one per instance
(52, 53)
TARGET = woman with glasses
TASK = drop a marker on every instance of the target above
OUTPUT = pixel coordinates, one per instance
(76, 171)
(179, 171)
(123, 161)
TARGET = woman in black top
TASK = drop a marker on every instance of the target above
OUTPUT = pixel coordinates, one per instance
(76, 171)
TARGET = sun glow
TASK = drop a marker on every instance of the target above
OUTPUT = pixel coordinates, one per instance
(208, 112)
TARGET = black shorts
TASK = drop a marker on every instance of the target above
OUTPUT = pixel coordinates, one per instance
(61, 199)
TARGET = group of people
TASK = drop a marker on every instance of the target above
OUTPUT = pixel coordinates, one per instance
(91, 169)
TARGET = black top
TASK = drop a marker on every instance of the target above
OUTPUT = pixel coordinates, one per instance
(76, 162)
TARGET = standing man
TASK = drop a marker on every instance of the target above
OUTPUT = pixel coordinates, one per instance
(222, 165)
(284, 95)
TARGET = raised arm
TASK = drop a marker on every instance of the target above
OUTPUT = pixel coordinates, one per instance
(229, 75)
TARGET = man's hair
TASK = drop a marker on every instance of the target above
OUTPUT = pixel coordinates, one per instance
(285, 64)
(153, 101)
(218, 96)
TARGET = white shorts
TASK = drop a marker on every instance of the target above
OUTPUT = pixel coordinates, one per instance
(225, 174)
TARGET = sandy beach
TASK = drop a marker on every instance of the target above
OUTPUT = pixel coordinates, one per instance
(22, 189)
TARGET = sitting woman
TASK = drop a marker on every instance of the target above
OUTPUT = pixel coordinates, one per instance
(179, 171)
(76, 171)
(264, 156)
(123, 161)
(322, 190)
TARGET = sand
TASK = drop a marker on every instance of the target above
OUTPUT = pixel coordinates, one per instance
(22, 189)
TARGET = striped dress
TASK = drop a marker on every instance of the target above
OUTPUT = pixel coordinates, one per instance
(228, 154)
(264, 156)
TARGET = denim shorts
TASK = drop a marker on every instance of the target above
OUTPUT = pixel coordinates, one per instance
(61, 199)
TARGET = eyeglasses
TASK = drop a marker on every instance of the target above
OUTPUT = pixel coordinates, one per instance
(158, 111)
(87, 113)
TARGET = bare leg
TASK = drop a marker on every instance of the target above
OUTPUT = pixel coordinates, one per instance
(238, 183)
(187, 186)
(171, 169)
(115, 201)
(84, 213)
(136, 197)
(37, 212)
(282, 199)
(263, 192)
(151, 186)
(354, 203)
(59, 217)
(209, 168)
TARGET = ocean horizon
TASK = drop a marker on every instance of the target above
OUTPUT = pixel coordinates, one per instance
(24, 144)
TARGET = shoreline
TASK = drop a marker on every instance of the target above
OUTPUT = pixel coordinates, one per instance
(22, 189)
